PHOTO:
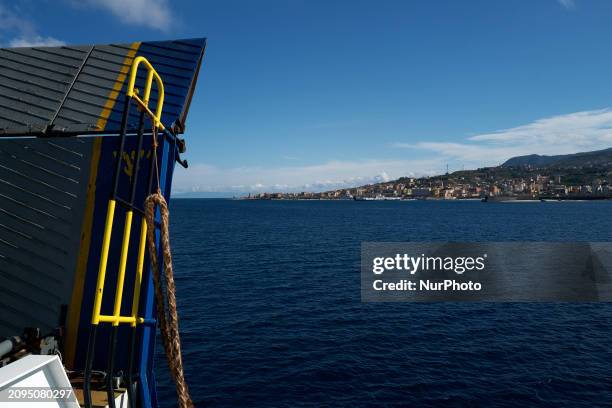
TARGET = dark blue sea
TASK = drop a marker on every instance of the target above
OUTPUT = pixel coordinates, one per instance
(271, 314)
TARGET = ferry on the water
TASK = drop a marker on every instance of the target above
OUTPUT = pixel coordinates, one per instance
(87, 134)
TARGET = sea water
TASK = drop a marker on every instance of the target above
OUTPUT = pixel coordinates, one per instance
(271, 315)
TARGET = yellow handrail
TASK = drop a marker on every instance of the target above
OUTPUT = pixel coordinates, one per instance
(108, 229)
(116, 317)
(144, 103)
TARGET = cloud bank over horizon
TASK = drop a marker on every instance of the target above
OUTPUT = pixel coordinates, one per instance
(320, 177)
(560, 134)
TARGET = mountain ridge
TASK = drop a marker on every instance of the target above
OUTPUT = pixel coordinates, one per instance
(583, 174)
(590, 158)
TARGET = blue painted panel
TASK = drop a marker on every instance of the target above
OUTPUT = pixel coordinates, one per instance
(176, 62)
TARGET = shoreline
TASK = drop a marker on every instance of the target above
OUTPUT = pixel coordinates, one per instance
(511, 200)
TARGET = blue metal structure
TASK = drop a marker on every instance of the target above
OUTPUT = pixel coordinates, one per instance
(81, 92)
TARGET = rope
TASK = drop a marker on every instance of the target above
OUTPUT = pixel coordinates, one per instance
(167, 315)
(166, 309)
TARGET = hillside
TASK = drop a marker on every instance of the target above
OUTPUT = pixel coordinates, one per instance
(584, 159)
(578, 175)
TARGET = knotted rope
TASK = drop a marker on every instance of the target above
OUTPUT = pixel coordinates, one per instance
(167, 315)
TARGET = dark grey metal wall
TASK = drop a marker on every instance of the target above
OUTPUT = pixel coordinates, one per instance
(43, 183)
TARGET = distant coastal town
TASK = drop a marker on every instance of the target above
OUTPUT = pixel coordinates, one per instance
(578, 176)
(452, 188)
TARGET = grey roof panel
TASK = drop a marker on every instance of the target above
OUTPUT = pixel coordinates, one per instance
(81, 89)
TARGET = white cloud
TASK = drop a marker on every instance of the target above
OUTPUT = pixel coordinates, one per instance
(149, 13)
(584, 128)
(472, 155)
(561, 134)
(36, 41)
(568, 4)
(22, 31)
(318, 177)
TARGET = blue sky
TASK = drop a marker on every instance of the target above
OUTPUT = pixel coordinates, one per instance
(310, 95)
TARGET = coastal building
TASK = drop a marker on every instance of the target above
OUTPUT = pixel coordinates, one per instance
(559, 190)
(421, 192)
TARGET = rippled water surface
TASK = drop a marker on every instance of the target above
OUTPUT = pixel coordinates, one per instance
(269, 299)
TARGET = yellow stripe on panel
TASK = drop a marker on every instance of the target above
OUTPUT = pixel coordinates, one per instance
(112, 97)
(74, 311)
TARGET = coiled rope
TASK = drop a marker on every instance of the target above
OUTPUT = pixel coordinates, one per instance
(167, 315)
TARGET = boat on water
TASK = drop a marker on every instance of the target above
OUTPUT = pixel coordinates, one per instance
(86, 134)
(498, 199)
(378, 197)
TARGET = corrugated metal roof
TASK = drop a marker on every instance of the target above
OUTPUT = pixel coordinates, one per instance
(81, 89)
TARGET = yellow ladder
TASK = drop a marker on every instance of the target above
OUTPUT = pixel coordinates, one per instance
(115, 318)
(132, 95)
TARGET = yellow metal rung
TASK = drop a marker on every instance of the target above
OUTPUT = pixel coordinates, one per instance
(121, 319)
